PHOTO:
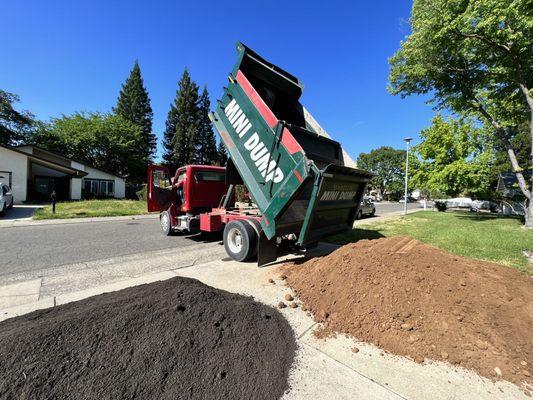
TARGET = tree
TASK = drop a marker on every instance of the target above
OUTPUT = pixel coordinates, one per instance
(457, 158)
(134, 105)
(182, 123)
(105, 141)
(222, 154)
(15, 126)
(475, 58)
(388, 166)
(205, 143)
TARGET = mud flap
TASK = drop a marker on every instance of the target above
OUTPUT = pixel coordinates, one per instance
(267, 250)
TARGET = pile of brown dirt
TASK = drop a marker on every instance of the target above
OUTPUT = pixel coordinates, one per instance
(415, 300)
(177, 339)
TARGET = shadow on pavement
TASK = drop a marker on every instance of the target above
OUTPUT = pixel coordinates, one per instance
(20, 212)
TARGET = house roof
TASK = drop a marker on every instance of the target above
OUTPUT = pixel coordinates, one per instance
(47, 163)
(69, 159)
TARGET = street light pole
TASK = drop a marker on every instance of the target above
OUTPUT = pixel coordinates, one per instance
(408, 141)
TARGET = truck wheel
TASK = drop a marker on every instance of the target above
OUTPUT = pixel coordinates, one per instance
(166, 224)
(240, 240)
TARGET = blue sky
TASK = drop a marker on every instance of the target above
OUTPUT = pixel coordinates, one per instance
(66, 56)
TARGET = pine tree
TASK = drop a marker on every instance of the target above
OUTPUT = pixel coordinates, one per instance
(134, 105)
(182, 124)
(168, 136)
(205, 143)
(222, 154)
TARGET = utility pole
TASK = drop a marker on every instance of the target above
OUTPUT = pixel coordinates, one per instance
(407, 140)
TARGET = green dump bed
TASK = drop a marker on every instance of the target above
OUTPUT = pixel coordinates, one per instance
(297, 177)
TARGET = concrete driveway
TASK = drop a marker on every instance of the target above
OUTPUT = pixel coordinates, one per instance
(20, 212)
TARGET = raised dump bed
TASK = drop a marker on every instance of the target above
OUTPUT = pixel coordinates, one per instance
(297, 177)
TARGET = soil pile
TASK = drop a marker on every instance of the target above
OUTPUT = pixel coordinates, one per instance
(177, 339)
(415, 300)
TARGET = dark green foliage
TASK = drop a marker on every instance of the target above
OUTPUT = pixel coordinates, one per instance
(15, 126)
(388, 166)
(105, 141)
(182, 123)
(134, 105)
(205, 143)
(222, 155)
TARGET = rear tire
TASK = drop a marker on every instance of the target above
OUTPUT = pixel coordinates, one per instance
(166, 224)
(240, 240)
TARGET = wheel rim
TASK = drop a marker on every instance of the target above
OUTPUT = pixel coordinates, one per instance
(234, 240)
(165, 222)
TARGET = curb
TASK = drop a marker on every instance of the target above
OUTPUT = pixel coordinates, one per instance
(21, 223)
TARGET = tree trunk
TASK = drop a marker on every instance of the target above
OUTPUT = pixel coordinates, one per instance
(529, 216)
(528, 193)
(529, 209)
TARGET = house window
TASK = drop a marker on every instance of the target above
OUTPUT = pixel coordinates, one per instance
(99, 187)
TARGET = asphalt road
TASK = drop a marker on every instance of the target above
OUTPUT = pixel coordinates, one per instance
(33, 248)
(29, 248)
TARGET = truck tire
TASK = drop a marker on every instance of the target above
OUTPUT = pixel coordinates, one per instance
(166, 224)
(240, 240)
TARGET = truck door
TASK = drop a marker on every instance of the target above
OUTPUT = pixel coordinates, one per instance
(160, 191)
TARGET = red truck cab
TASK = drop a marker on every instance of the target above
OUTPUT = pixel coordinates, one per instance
(194, 189)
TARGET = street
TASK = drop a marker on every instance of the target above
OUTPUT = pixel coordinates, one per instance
(388, 208)
(35, 248)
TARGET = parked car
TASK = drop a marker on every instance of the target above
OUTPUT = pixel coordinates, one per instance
(367, 208)
(485, 205)
(409, 199)
(6, 198)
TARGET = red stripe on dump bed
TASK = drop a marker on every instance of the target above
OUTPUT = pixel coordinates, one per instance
(298, 176)
(259, 103)
(287, 139)
(290, 142)
(226, 139)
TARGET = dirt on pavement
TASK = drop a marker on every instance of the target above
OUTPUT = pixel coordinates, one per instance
(418, 301)
(176, 339)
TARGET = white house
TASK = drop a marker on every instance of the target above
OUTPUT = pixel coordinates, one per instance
(34, 173)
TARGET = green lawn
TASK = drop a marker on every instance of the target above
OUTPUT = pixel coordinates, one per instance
(482, 236)
(92, 208)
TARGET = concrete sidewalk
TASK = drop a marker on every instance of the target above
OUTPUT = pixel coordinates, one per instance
(30, 222)
(324, 368)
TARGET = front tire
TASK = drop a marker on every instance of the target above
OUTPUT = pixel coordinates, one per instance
(11, 205)
(240, 240)
(166, 224)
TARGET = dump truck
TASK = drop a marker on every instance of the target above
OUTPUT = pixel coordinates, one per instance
(303, 185)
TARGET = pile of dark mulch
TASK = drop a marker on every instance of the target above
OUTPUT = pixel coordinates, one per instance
(177, 339)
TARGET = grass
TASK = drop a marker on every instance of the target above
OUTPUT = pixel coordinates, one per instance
(482, 236)
(92, 208)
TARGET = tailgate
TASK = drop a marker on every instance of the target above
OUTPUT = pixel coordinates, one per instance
(334, 202)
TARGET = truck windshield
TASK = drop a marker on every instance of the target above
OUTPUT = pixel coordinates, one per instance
(209, 176)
